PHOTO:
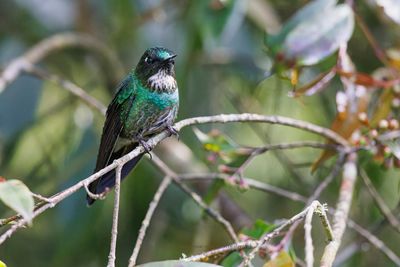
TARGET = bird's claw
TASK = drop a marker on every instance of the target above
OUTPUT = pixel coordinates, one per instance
(146, 147)
(172, 131)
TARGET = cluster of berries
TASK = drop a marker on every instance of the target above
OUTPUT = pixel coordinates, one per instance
(371, 137)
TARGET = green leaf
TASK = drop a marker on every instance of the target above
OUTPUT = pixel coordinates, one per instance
(309, 11)
(318, 37)
(306, 13)
(2, 264)
(176, 264)
(222, 145)
(282, 260)
(391, 9)
(232, 260)
(213, 190)
(259, 228)
(212, 17)
(313, 33)
(17, 196)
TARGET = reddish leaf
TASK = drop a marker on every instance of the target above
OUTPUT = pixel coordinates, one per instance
(346, 123)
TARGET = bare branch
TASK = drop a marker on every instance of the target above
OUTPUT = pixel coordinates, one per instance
(114, 229)
(249, 117)
(328, 179)
(262, 186)
(342, 210)
(309, 248)
(385, 210)
(146, 221)
(223, 250)
(68, 85)
(376, 242)
(40, 197)
(52, 44)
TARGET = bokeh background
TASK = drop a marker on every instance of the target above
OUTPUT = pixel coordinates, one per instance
(49, 138)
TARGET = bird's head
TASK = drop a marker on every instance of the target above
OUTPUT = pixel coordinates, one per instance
(156, 69)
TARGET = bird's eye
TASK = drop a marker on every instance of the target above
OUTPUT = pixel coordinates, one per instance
(149, 60)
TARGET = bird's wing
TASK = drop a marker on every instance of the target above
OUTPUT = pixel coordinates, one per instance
(114, 124)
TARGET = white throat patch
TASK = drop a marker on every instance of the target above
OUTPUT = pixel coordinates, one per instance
(162, 81)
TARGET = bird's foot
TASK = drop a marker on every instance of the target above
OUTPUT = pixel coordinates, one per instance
(172, 131)
(145, 146)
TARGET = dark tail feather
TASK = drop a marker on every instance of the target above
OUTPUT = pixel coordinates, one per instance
(108, 179)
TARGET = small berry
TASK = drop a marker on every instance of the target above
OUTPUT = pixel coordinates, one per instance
(396, 102)
(393, 124)
(396, 89)
(383, 124)
(373, 133)
(363, 118)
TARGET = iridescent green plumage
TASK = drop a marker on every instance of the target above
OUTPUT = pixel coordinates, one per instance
(145, 104)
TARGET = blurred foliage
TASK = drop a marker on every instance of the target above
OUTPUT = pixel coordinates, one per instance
(49, 139)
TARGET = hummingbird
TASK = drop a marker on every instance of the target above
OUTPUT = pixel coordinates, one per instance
(145, 104)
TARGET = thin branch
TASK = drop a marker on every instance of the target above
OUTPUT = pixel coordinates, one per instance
(68, 85)
(57, 42)
(375, 241)
(385, 210)
(253, 152)
(309, 248)
(146, 221)
(342, 210)
(40, 197)
(328, 179)
(114, 229)
(299, 144)
(262, 186)
(249, 117)
(379, 53)
(222, 250)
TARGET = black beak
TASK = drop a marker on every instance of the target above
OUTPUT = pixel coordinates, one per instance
(170, 59)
